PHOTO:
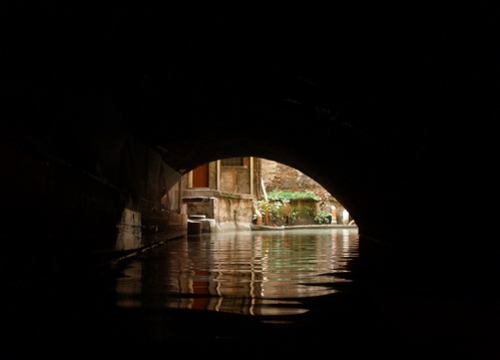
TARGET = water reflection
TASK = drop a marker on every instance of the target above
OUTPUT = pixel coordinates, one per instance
(254, 273)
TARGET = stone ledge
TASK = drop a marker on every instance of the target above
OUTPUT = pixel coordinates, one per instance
(206, 194)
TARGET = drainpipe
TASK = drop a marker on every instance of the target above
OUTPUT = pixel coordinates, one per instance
(263, 189)
(190, 180)
(251, 176)
(218, 176)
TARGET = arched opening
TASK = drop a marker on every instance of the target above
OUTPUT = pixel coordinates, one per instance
(232, 261)
(246, 192)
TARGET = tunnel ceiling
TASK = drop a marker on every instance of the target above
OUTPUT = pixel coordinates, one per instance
(381, 104)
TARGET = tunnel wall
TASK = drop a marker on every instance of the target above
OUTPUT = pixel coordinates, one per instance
(390, 107)
(80, 165)
(64, 193)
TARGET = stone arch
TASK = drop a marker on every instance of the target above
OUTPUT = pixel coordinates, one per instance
(412, 125)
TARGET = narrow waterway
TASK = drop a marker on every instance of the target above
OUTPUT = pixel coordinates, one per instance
(240, 293)
(249, 273)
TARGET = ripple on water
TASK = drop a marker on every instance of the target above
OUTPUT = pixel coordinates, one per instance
(251, 273)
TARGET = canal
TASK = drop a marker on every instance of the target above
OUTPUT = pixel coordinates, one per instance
(266, 294)
(241, 293)
(248, 273)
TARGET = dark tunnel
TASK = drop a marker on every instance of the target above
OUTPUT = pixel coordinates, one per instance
(388, 107)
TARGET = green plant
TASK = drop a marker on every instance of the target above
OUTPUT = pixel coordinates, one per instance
(281, 195)
(323, 217)
(294, 214)
(276, 211)
(284, 206)
(306, 211)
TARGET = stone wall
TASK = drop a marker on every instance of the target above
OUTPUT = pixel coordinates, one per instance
(230, 211)
(73, 198)
(234, 212)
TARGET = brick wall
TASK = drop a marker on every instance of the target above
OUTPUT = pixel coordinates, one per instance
(283, 177)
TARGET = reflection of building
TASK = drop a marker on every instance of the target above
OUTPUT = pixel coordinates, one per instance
(251, 273)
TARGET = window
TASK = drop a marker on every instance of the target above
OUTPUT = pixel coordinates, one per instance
(235, 161)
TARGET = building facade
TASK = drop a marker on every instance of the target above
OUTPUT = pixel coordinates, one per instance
(223, 194)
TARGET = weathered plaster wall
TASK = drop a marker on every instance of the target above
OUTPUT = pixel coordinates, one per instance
(233, 212)
(230, 205)
(230, 211)
(235, 179)
(200, 205)
(212, 175)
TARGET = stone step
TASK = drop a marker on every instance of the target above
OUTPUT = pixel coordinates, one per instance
(197, 217)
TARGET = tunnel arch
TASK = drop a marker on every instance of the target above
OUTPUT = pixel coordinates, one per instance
(268, 150)
(411, 125)
(279, 115)
(259, 177)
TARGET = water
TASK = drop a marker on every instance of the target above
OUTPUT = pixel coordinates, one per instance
(286, 295)
(251, 273)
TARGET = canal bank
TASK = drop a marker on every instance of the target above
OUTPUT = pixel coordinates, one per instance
(301, 227)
